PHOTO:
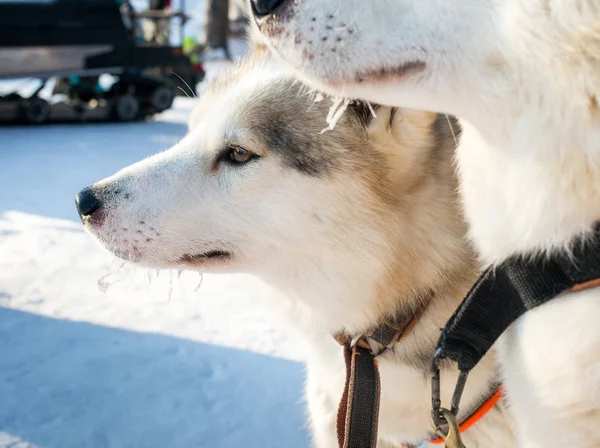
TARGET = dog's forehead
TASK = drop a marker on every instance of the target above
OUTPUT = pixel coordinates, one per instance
(235, 94)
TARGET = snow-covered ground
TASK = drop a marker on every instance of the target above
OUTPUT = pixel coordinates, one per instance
(151, 363)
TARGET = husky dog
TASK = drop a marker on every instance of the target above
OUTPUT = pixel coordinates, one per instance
(350, 225)
(524, 77)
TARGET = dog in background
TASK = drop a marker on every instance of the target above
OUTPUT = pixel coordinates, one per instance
(349, 226)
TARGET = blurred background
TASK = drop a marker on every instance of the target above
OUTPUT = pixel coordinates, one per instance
(94, 353)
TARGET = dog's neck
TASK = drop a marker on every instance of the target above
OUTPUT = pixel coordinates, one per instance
(337, 296)
(356, 285)
(538, 156)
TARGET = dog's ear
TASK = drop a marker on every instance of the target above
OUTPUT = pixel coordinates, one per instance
(363, 112)
(409, 139)
(400, 123)
(408, 127)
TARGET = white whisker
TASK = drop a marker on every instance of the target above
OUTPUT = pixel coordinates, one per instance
(371, 109)
(186, 94)
(186, 84)
(451, 129)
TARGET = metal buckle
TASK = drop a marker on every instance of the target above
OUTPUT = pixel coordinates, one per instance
(439, 415)
(369, 344)
(452, 437)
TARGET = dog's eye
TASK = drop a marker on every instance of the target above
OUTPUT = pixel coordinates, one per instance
(239, 155)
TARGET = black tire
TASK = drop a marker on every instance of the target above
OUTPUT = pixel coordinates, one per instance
(127, 108)
(36, 110)
(162, 98)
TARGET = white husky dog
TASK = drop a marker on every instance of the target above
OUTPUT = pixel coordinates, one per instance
(524, 76)
(350, 226)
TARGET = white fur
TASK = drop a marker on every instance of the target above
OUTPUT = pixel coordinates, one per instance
(524, 76)
(324, 243)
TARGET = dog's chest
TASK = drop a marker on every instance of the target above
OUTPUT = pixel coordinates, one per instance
(522, 198)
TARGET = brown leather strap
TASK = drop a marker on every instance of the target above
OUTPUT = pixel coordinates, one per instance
(358, 413)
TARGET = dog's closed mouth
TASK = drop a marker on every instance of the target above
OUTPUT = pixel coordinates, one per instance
(384, 74)
(205, 256)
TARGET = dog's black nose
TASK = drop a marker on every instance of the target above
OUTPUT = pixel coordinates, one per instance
(87, 202)
(264, 7)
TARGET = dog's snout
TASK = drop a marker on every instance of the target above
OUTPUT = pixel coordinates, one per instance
(87, 202)
(262, 8)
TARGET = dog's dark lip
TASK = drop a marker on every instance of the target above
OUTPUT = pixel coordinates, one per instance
(95, 220)
(381, 75)
(132, 256)
(210, 255)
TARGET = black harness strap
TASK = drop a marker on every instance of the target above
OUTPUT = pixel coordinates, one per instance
(505, 292)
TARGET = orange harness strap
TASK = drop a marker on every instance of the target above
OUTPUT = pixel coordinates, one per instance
(477, 415)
